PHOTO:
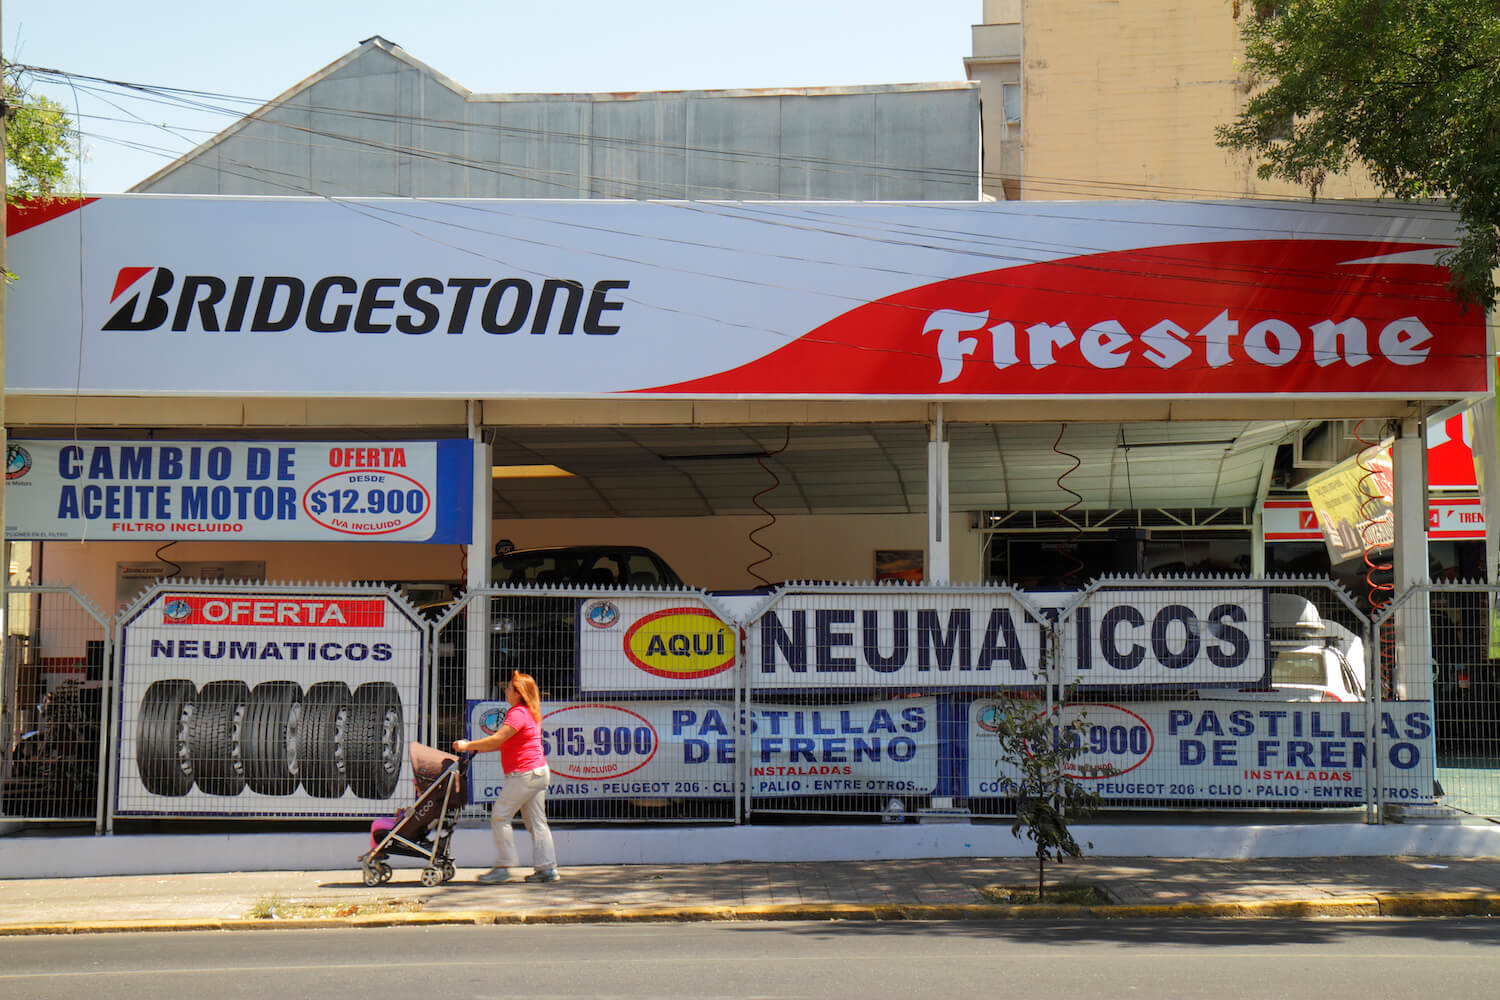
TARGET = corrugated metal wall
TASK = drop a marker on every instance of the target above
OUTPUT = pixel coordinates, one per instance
(378, 122)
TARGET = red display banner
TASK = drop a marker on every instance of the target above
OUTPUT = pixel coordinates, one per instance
(1330, 317)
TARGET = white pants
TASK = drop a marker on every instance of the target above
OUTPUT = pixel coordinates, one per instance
(524, 792)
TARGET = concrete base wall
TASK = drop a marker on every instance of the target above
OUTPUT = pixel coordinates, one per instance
(29, 856)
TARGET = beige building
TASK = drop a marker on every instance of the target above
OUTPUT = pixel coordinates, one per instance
(1101, 99)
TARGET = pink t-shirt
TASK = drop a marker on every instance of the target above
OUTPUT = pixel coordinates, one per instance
(523, 751)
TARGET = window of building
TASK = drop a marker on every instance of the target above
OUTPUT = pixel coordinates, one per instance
(1010, 94)
(1043, 561)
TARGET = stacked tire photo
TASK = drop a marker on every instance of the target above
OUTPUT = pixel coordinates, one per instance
(227, 737)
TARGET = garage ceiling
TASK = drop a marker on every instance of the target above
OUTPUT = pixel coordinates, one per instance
(882, 468)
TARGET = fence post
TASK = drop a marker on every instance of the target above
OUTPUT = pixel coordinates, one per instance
(1373, 684)
(103, 813)
(113, 758)
(742, 724)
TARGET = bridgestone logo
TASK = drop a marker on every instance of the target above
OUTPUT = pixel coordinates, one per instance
(338, 304)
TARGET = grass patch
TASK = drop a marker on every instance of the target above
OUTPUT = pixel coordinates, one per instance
(1064, 893)
(274, 907)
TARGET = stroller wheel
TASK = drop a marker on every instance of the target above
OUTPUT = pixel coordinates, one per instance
(371, 873)
(431, 876)
(385, 873)
(449, 871)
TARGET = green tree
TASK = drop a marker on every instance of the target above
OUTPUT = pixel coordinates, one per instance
(1041, 748)
(39, 138)
(1409, 89)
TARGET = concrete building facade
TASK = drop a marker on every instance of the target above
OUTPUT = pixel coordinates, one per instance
(1098, 99)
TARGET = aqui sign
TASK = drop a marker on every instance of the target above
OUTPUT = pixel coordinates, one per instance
(654, 644)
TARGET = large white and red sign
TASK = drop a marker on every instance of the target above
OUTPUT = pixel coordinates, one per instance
(1450, 453)
(170, 295)
(1447, 517)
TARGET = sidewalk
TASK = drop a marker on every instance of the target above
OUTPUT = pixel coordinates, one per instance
(947, 888)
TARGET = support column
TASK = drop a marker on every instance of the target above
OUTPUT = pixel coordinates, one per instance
(1487, 458)
(939, 528)
(1413, 664)
(1258, 516)
(477, 634)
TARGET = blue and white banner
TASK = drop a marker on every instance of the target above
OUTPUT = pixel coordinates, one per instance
(1311, 754)
(268, 491)
(687, 749)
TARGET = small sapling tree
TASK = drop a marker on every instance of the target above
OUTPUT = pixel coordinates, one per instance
(1040, 744)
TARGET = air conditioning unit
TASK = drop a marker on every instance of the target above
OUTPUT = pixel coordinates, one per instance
(1328, 443)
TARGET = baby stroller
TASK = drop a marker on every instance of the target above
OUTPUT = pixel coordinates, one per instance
(442, 790)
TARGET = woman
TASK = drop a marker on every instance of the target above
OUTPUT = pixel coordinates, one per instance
(519, 740)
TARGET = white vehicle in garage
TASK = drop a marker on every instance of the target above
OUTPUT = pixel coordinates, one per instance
(1314, 659)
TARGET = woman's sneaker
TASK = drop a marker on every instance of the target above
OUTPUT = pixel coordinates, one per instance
(547, 875)
(495, 876)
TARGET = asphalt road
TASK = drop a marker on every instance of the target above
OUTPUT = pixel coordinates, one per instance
(1331, 960)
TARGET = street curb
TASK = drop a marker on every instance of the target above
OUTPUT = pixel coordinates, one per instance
(1458, 904)
(1440, 904)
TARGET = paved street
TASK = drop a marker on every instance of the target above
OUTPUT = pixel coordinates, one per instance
(1334, 960)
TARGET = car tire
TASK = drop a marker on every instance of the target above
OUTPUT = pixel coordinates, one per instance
(214, 735)
(268, 737)
(374, 742)
(321, 739)
(161, 744)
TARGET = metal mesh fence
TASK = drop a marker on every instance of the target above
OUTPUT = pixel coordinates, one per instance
(53, 706)
(640, 696)
(1218, 693)
(865, 700)
(667, 705)
(268, 701)
(1465, 688)
(1192, 693)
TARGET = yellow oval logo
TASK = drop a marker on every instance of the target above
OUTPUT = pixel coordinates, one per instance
(682, 643)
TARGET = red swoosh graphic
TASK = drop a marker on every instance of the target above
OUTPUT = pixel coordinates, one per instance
(881, 348)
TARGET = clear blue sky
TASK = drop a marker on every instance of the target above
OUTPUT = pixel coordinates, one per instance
(258, 50)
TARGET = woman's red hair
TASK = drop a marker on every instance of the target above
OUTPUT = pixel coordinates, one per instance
(531, 697)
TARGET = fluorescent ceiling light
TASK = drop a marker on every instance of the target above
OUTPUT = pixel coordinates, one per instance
(529, 472)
